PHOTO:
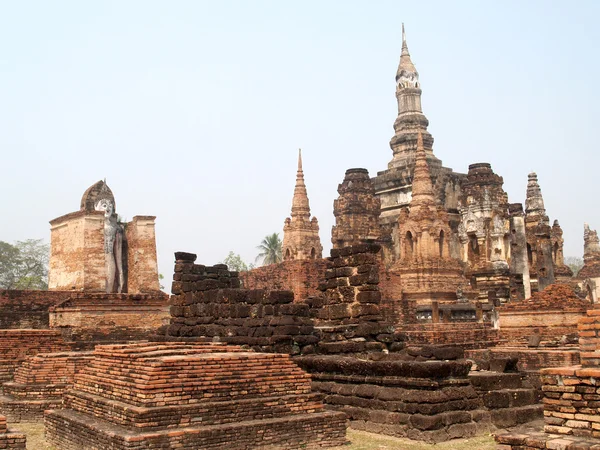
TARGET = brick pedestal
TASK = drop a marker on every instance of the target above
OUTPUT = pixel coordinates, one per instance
(190, 396)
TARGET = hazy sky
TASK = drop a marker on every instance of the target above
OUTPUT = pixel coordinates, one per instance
(194, 110)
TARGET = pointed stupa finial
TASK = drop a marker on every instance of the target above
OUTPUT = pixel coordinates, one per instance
(406, 64)
(299, 159)
(422, 188)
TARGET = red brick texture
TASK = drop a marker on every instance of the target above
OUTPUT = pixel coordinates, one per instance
(190, 396)
(39, 384)
(299, 276)
(17, 345)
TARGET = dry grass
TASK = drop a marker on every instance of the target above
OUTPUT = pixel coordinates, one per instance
(360, 440)
(35, 435)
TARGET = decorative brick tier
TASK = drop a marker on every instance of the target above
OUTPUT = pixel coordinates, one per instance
(39, 384)
(178, 395)
(17, 345)
(431, 401)
(10, 438)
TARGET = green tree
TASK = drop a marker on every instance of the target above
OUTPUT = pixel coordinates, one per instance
(574, 263)
(270, 250)
(235, 262)
(24, 265)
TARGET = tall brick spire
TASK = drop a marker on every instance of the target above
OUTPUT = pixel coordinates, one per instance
(300, 205)
(301, 233)
(411, 119)
(534, 204)
(422, 188)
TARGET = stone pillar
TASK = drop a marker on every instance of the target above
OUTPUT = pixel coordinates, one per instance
(545, 264)
(518, 246)
(142, 273)
(435, 312)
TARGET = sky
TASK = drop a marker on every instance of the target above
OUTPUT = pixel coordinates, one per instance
(194, 111)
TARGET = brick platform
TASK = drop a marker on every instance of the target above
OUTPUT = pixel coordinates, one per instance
(39, 384)
(10, 438)
(430, 401)
(178, 395)
(17, 345)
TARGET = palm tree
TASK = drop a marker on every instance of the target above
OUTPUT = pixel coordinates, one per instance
(270, 250)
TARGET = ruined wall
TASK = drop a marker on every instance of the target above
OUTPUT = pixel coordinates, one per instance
(77, 252)
(302, 277)
(142, 267)
(208, 303)
(27, 309)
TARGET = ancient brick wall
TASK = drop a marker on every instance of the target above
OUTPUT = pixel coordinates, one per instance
(89, 316)
(27, 309)
(94, 318)
(142, 267)
(552, 313)
(302, 277)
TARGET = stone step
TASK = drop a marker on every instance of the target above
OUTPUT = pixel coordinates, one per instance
(493, 381)
(510, 417)
(509, 398)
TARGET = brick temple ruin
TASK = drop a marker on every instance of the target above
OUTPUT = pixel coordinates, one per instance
(442, 311)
